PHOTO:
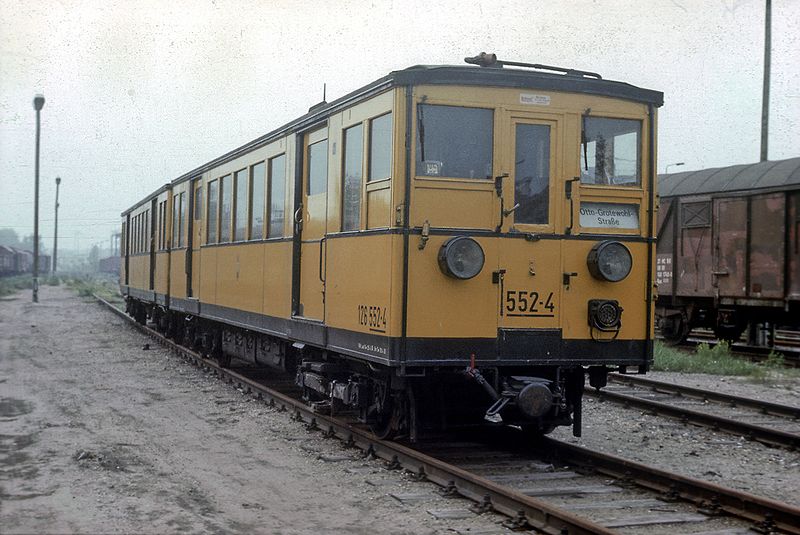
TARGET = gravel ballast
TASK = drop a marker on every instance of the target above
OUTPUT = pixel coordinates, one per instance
(101, 436)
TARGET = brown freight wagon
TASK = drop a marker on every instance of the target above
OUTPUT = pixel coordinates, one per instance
(728, 252)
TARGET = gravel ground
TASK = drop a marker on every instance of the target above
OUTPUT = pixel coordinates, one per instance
(99, 436)
(776, 388)
(695, 451)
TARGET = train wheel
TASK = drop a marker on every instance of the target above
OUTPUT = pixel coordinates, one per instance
(383, 409)
(674, 329)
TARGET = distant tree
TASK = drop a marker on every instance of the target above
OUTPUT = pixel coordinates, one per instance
(94, 255)
(27, 244)
(8, 236)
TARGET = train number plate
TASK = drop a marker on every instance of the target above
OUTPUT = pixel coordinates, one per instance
(532, 304)
(372, 317)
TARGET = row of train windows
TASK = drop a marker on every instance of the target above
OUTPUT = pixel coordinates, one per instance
(139, 233)
(240, 203)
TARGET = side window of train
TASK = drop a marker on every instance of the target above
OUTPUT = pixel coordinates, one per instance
(225, 204)
(176, 220)
(352, 165)
(610, 151)
(277, 194)
(213, 195)
(162, 225)
(198, 199)
(380, 148)
(318, 167)
(182, 230)
(454, 141)
(696, 214)
(240, 205)
(257, 192)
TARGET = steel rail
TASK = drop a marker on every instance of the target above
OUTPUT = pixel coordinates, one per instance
(524, 511)
(767, 515)
(765, 407)
(759, 433)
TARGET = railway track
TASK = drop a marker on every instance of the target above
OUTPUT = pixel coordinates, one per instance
(765, 422)
(787, 343)
(542, 489)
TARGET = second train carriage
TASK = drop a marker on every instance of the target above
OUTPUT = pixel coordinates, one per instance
(443, 245)
(728, 253)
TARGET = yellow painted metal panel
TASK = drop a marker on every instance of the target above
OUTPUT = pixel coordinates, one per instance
(530, 292)
(630, 292)
(208, 275)
(277, 276)
(177, 274)
(441, 306)
(456, 208)
(240, 276)
(162, 273)
(359, 295)
(379, 208)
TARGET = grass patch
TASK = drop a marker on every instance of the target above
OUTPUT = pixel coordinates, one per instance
(716, 360)
(12, 285)
(88, 286)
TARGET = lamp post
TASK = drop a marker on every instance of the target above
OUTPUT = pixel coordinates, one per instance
(55, 234)
(666, 170)
(38, 104)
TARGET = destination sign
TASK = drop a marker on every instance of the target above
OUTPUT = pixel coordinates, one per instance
(609, 215)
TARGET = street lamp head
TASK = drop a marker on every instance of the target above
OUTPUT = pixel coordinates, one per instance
(38, 102)
(58, 180)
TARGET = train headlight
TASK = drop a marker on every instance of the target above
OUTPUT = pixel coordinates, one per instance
(609, 261)
(461, 258)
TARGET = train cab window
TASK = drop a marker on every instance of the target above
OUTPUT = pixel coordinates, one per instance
(380, 148)
(318, 167)
(277, 194)
(454, 142)
(213, 214)
(225, 203)
(240, 212)
(532, 174)
(257, 177)
(351, 175)
(610, 151)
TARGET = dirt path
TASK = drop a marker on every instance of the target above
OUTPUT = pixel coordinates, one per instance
(99, 436)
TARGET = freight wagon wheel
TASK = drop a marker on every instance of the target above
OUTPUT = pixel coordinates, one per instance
(674, 329)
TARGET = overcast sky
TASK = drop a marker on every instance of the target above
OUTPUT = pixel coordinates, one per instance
(140, 92)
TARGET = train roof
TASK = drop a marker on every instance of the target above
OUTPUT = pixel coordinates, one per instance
(771, 175)
(570, 81)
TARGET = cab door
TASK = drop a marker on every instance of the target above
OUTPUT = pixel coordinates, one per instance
(530, 264)
(310, 227)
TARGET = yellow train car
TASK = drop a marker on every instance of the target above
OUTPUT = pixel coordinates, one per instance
(448, 244)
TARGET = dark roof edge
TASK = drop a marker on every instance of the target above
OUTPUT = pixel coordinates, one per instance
(436, 75)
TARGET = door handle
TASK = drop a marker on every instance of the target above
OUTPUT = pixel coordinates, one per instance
(298, 215)
(321, 276)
